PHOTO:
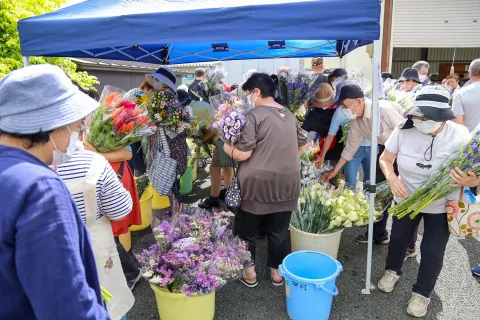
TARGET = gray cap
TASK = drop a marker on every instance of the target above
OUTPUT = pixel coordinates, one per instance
(41, 98)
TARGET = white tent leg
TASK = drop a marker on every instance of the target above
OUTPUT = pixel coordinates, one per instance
(373, 160)
(26, 61)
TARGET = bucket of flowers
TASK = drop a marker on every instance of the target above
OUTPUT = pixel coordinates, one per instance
(195, 254)
(322, 215)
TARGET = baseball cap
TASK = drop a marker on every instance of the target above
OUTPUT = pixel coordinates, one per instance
(349, 91)
(41, 98)
(339, 87)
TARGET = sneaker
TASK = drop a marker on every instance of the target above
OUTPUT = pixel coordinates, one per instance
(223, 192)
(131, 284)
(387, 283)
(411, 253)
(209, 203)
(418, 305)
(476, 270)
(363, 238)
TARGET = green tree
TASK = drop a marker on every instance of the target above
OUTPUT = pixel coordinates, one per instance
(11, 11)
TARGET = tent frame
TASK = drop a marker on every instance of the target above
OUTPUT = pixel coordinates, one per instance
(376, 85)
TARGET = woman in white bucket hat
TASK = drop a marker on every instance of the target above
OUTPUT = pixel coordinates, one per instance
(46, 258)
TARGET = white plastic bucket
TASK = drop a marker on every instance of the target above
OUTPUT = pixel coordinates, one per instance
(326, 242)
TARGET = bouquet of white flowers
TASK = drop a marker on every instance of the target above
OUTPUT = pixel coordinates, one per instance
(323, 209)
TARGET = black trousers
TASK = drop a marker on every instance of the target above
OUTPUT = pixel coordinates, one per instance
(432, 249)
(276, 227)
(130, 270)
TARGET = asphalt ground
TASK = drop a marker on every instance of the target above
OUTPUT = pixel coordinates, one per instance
(456, 295)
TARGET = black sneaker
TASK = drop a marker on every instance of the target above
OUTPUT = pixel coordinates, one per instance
(363, 238)
(209, 203)
(223, 192)
(131, 284)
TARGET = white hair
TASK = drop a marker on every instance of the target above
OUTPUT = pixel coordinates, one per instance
(474, 68)
(183, 87)
(421, 64)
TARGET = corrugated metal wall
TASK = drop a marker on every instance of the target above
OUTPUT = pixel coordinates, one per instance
(405, 57)
(436, 23)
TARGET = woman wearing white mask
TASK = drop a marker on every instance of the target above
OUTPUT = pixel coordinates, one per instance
(421, 145)
(423, 67)
(268, 174)
(100, 198)
(46, 258)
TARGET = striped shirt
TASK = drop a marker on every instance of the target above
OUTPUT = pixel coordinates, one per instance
(113, 201)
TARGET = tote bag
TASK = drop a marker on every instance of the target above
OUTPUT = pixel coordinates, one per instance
(463, 218)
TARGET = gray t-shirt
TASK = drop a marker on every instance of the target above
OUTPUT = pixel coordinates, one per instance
(412, 149)
(467, 104)
(270, 178)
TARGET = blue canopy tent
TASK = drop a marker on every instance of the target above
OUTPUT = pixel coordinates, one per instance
(185, 31)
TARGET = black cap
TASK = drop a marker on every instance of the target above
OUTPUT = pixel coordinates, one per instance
(183, 97)
(350, 91)
(410, 74)
(338, 73)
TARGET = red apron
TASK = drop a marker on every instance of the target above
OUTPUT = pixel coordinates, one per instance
(135, 216)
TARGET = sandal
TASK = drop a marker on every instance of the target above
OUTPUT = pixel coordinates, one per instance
(248, 283)
(277, 284)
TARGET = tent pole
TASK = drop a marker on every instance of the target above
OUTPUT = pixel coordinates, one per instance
(26, 61)
(373, 159)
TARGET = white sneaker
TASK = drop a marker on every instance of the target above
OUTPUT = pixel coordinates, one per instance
(418, 305)
(388, 281)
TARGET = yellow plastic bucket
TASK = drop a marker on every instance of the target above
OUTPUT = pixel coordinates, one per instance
(177, 306)
(126, 240)
(158, 201)
(146, 209)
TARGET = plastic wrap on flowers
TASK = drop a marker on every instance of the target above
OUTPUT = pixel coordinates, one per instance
(164, 109)
(466, 157)
(211, 86)
(295, 89)
(118, 122)
(229, 117)
(383, 197)
(325, 209)
(195, 251)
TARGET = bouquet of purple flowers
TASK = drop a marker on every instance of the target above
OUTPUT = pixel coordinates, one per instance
(295, 89)
(229, 117)
(195, 252)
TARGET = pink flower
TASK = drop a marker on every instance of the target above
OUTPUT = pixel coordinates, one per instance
(473, 221)
(452, 210)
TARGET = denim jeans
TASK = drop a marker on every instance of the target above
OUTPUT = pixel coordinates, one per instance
(361, 157)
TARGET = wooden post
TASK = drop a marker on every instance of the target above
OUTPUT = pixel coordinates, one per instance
(387, 35)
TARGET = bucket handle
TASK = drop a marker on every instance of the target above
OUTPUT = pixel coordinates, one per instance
(321, 286)
(281, 271)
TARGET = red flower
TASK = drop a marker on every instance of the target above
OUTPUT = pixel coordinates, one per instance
(118, 123)
(127, 127)
(128, 105)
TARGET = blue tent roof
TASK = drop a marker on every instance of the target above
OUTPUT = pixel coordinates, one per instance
(184, 31)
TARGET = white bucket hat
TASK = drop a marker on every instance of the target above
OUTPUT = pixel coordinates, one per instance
(41, 98)
(164, 74)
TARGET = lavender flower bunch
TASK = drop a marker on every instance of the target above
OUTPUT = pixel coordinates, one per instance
(295, 89)
(211, 86)
(195, 253)
(467, 158)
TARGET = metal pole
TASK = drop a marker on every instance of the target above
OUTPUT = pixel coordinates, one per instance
(26, 61)
(373, 159)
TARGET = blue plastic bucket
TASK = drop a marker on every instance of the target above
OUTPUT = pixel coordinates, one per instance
(310, 284)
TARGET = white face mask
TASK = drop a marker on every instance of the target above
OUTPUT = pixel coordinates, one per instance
(427, 126)
(157, 84)
(62, 157)
(336, 82)
(422, 77)
(249, 100)
(349, 114)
